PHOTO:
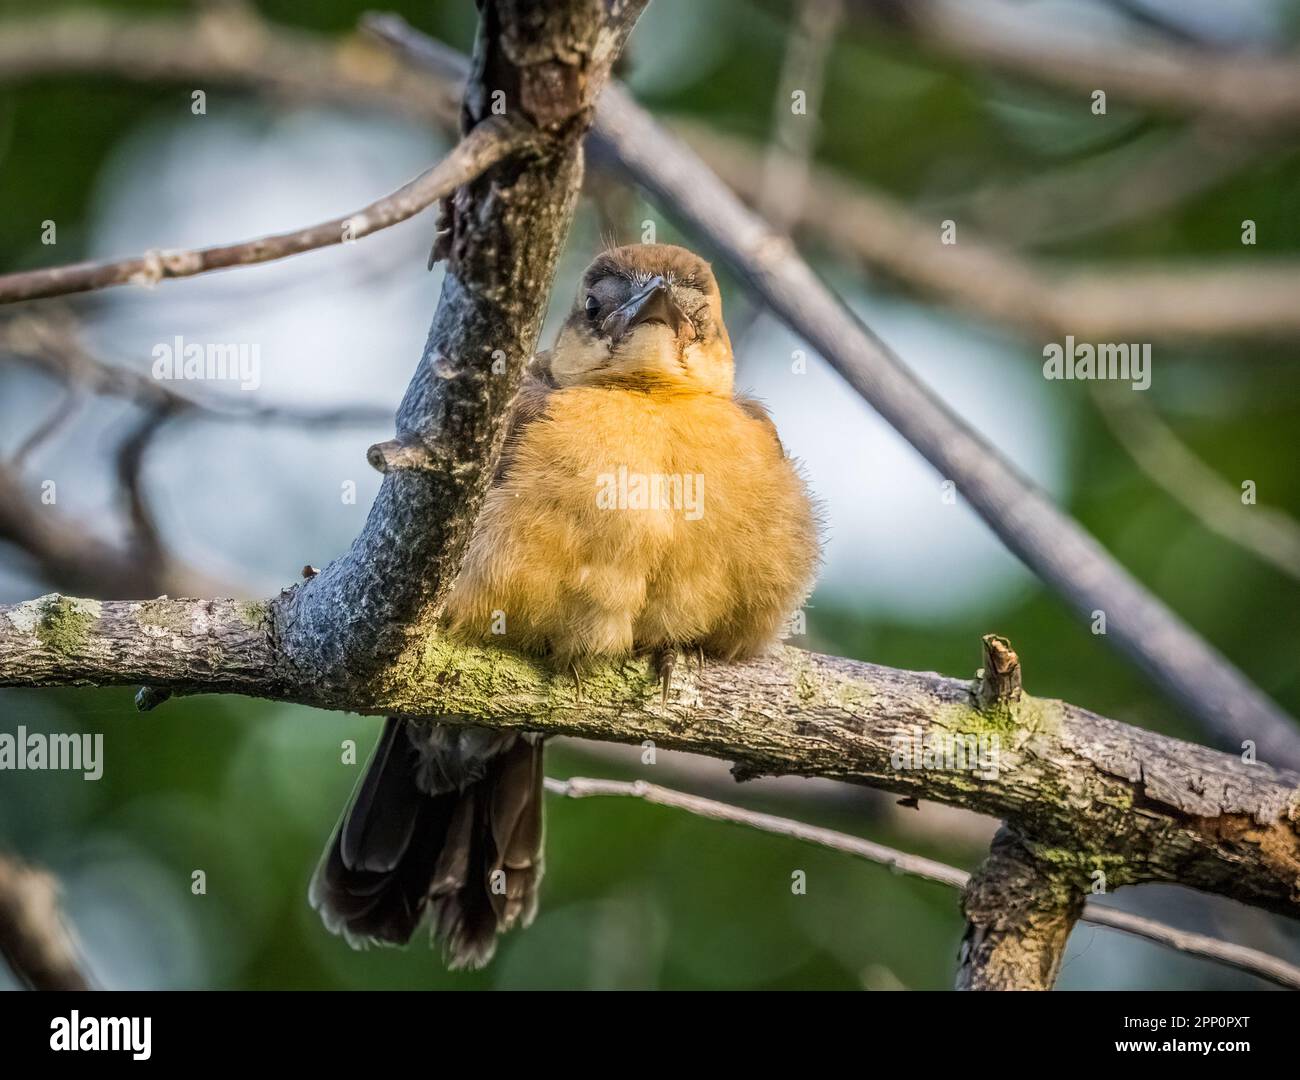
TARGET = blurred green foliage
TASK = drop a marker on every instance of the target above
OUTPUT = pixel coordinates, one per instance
(640, 896)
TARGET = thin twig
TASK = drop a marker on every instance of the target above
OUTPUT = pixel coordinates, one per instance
(1241, 957)
(1142, 180)
(482, 148)
(803, 68)
(72, 554)
(1185, 300)
(64, 410)
(130, 462)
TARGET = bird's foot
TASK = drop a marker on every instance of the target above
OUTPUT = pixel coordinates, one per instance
(665, 659)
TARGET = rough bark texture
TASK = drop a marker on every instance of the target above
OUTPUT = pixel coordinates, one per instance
(1019, 914)
(1083, 792)
(544, 64)
(1053, 545)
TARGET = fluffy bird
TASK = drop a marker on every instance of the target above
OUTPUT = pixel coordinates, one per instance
(640, 507)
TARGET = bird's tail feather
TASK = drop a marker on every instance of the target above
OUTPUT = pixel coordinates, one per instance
(447, 819)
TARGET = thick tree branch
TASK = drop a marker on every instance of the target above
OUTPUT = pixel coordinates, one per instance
(1082, 791)
(546, 65)
(1019, 914)
(482, 147)
(1241, 957)
(1048, 541)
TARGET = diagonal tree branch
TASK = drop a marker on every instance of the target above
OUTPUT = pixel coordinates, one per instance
(544, 65)
(1049, 542)
(1078, 790)
(1181, 300)
(76, 555)
(1166, 301)
(51, 343)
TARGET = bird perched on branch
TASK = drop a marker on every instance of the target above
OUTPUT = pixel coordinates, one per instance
(641, 507)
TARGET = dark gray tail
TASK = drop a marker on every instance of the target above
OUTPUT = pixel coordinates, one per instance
(447, 818)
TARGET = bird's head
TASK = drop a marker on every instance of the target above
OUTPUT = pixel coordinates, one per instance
(646, 315)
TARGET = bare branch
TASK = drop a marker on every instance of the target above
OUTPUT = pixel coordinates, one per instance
(235, 47)
(69, 401)
(130, 463)
(34, 939)
(483, 147)
(1019, 914)
(1175, 300)
(1141, 179)
(1085, 790)
(581, 787)
(1190, 671)
(784, 184)
(362, 635)
(51, 344)
(74, 554)
(1241, 957)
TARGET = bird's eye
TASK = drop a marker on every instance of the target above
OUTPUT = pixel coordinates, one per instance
(593, 307)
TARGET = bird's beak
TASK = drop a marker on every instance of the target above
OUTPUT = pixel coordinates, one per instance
(654, 303)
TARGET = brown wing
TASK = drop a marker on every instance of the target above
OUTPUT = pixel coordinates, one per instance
(530, 405)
